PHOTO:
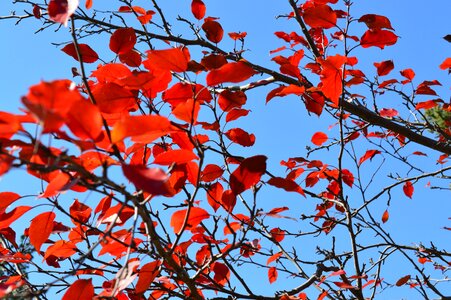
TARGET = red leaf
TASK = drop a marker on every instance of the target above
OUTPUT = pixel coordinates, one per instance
(198, 9)
(132, 58)
(228, 200)
(319, 138)
(388, 112)
(211, 172)
(277, 234)
(376, 21)
(79, 212)
(248, 173)
(314, 102)
(378, 38)
(213, 30)
(6, 199)
(384, 67)
(408, 189)
(61, 249)
(320, 16)
(222, 273)
(40, 229)
(174, 59)
(273, 257)
(402, 280)
(369, 154)
(237, 36)
(229, 100)
(408, 73)
(141, 129)
(446, 64)
(239, 136)
(152, 181)
(147, 274)
(385, 216)
(331, 77)
(187, 111)
(283, 91)
(195, 217)
(427, 104)
(272, 274)
(344, 285)
(178, 156)
(231, 72)
(57, 184)
(87, 54)
(6, 219)
(112, 98)
(236, 113)
(286, 184)
(61, 10)
(37, 13)
(88, 4)
(84, 120)
(123, 40)
(214, 195)
(81, 289)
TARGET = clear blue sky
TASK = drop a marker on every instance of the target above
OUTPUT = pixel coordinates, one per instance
(282, 127)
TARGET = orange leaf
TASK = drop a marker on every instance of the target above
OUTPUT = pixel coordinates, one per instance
(385, 216)
(141, 129)
(247, 174)
(408, 189)
(198, 9)
(6, 219)
(81, 289)
(446, 64)
(87, 54)
(61, 249)
(123, 40)
(173, 59)
(273, 257)
(378, 38)
(320, 16)
(187, 111)
(319, 138)
(147, 274)
(384, 67)
(344, 285)
(402, 280)
(88, 4)
(56, 185)
(195, 217)
(178, 156)
(231, 72)
(112, 98)
(40, 229)
(272, 274)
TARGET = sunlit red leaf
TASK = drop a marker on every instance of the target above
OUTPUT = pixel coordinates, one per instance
(314, 102)
(112, 98)
(147, 274)
(369, 154)
(408, 189)
(84, 120)
(248, 173)
(198, 9)
(331, 77)
(214, 195)
(178, 156)
(141, 129)
(187, 111)
(286, 184)
(6, 199)
(241, 137)
(6, 219)
(385, 216)
(277, 234)
(88, 55)
(122, 40)
(402, 280)
(384, 67)
(173, 59)
(222, 273)
(236, 113)
(213, 30)
(408, 73)
(376, 21)
(88, 4)
(231, 72)
(319, 138)
(229, 100)
(388, 112)
(79, 212)
(211, 172)
(81, 289)
(378, 38)
(320, 16)
(61, 10)
(57, 184)
(427, 104)
(152, 180)
(40, 229)
(446, 64)
(283, 91)
(274, 257)
(237, 36)
(131, 58)
(228, 200)
(61, 249)
(344, 285)
(272, 274)
(195, 217)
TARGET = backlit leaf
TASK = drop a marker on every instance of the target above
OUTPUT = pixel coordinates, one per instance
(385, 216)
(378, 38)
(331, 77)
(213, 30)
(122, 40)
(376, 21)
(241, 137)
(272, 274)
(173, 59)
(141, 129)
(81, 289)
(40, 229)
(369, 154)
(231, 72)
(320, 16)
(319, 138)
(248, 173)
(151, 180)
(408, 189)
(178, 156)
(384, 67)
(193, 218)
(147, 274)
(402, 280)
(88, 55)
(198, 9)
(286, 184)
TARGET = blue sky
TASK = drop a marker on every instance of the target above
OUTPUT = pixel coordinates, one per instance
(282, 127)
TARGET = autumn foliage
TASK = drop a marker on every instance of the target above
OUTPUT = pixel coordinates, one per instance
(153, 185)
